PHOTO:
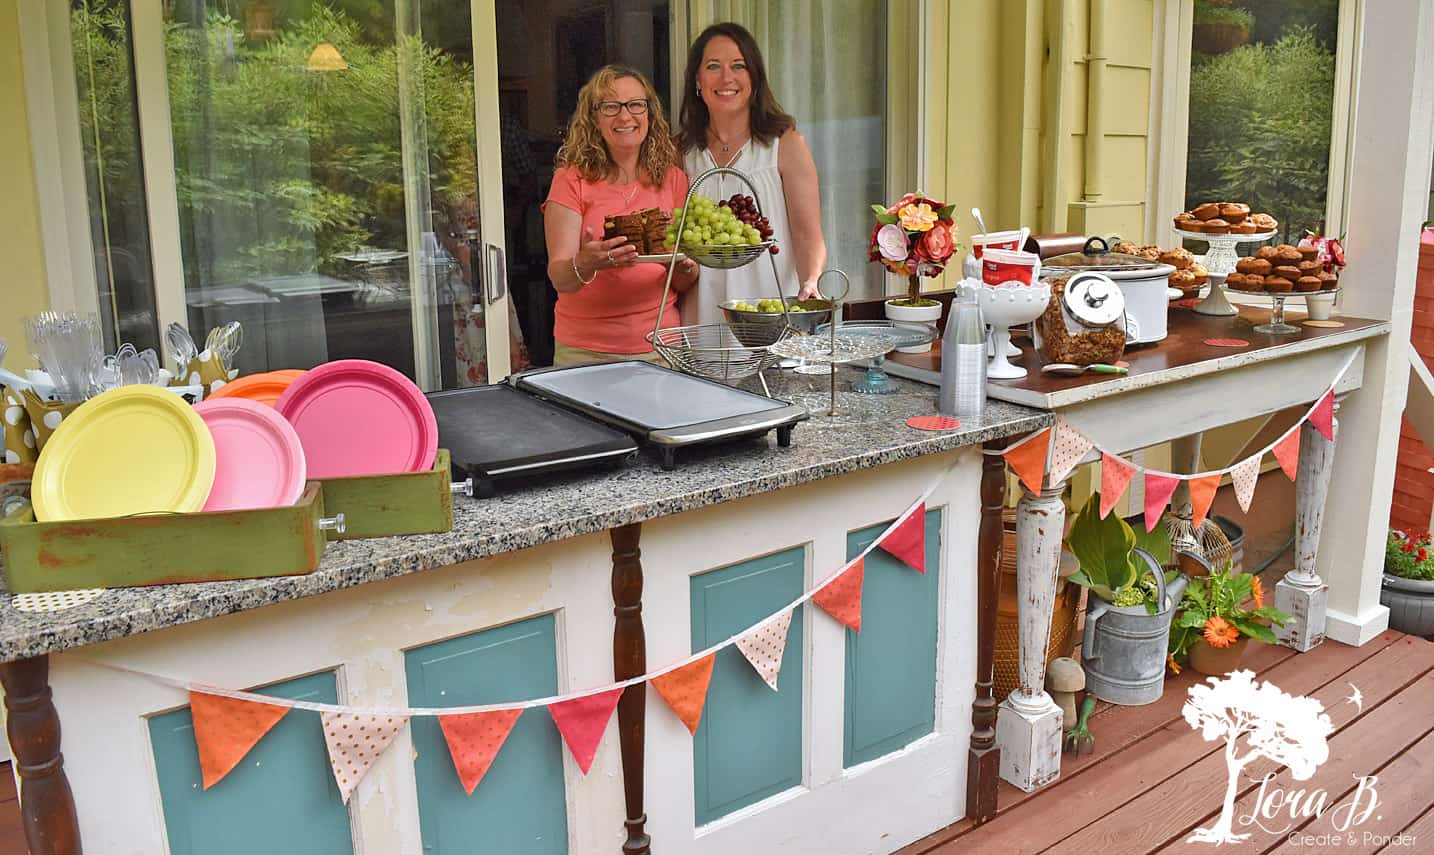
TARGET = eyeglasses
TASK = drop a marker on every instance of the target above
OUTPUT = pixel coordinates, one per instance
(637, 107)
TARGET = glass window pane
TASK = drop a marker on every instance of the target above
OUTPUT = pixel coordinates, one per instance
(1261, 101)
(114, 178)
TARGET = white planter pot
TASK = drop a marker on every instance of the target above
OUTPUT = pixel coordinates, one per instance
(918, 314)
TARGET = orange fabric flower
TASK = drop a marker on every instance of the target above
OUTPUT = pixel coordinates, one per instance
(1218, 633)
(1257, 591)
(917, 218)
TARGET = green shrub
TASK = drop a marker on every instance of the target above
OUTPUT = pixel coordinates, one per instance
(1205, 13)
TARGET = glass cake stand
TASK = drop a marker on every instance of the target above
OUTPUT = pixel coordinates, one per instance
(901, 334)
(1219, 261)
(831, 348)
(1277, 325)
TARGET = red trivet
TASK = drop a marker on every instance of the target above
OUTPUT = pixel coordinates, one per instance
(933, 422)
(1227, 342)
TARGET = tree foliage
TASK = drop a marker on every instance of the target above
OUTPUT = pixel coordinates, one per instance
(1260, 128)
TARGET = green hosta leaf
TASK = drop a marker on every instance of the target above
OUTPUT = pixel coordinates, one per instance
(1157, 542)
(1103, 548)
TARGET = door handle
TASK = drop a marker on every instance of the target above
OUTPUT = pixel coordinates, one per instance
(497, 284)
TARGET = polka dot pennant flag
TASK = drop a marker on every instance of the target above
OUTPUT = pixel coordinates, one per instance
(1244, 475)
(582, 721)
(685, 689)
(1287, 451)
(225, 729)
(1027, 459)
(474, 740)
(765, 645)
(1322, 416)
(842, 598)
(1202, 494)
(908, 540)
(1115, 474)
(1158, 490)
(354, 742)
(1069, 446)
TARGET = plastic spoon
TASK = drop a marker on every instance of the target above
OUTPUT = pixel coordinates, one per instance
(181, 348)
(1066, 369)
(980, 223)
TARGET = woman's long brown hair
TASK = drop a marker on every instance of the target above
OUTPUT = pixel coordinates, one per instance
(769, 120)
(584, 148)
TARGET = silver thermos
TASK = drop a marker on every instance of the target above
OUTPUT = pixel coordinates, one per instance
(963, 361)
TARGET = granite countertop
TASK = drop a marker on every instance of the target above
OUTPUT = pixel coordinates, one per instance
(869, 431)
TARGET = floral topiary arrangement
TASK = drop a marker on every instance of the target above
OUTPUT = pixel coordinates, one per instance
(914, 237)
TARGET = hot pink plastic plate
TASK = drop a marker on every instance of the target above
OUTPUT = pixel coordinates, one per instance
(259, 459)
(357, 417)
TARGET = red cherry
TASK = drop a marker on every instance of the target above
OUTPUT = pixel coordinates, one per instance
(773, 249)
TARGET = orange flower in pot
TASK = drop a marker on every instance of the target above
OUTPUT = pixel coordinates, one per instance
(1215, 622)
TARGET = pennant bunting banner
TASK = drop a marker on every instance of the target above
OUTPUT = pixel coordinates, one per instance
(1028, 459)
(474, 740)
(225, 729)
(1158, 490)
(1287, 451)
(842, 597)
(582, 721)
(1202, 494)
(354, 742)
(1069, 446)
(764, 646)
(1244, 476)
(1115, 474)
(685, 690)
(908, 540)
(1322, 416)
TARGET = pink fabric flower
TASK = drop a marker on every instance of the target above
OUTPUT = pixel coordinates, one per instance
(891, 240)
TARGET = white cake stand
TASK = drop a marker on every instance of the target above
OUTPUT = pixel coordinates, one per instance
(1219, 261)
(1004, 307)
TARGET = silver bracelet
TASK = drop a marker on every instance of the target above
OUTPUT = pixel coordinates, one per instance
(583, 281)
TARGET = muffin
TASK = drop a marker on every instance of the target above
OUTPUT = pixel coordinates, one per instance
(1236, 281)
(1186, 222)
(1311, 268)
(1278, 284)
(1254, 265)
(1309, 253)
(1201, 274)
(1269, 253)
(1288, 254)
(1217, 226)
(1328, 281)
(1287, 271)
(1264, 222)
(1254, 282)
(1244, 227)
(1149, 251)
(1183, 279)
(1126, 247)
(1234, 212)
(1307, 283)
(1207, 211)
(1178, 258)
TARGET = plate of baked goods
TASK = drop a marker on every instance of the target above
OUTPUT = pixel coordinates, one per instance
(1282, 269)
(660, 257)
(1226, 218)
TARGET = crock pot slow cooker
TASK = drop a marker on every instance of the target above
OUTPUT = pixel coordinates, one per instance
(1144, 283)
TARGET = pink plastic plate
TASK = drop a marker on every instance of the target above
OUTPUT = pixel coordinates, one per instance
(259, 459)
(357, 417)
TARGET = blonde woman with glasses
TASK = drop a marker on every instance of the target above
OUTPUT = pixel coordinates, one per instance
(617, 158)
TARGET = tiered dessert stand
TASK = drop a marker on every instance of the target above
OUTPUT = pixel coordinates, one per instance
(1219, 261)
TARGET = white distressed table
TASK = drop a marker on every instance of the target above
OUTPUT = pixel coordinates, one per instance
(1176, 390)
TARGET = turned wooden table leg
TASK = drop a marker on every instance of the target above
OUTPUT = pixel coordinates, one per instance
(1028, 727)
(983, 763)
(629, 659)
(47, 806)
(1302, 594)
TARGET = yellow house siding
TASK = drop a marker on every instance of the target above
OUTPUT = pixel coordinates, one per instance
(25, 291)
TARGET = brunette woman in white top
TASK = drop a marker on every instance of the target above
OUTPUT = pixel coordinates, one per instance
(730, 118)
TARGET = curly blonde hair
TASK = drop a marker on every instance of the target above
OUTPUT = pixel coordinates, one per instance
(585, 150)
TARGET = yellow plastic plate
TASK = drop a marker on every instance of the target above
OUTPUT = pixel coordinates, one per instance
(131, 450)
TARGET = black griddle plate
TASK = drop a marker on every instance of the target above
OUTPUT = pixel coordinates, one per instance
(496, 432)
(664, 407)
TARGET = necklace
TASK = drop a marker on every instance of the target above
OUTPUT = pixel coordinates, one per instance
(627, 200)
(726, 146)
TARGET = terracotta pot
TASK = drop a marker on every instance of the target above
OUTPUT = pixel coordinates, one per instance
(1217, 661)
(1218, 37)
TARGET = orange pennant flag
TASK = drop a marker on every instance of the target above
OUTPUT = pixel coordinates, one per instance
(1028, 460)
(842, 597)
(474, 740)
(1287, 451)
(225, 729)
(1115, 474)
(1202, 494)
(908, 540)
(685, 689)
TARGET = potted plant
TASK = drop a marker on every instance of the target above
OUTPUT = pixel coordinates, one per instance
(1214, 625)
(1131, 597)
(1408, 588)
(1218, 27)
(914, 237)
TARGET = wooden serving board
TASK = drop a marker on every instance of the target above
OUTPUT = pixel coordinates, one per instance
(160, 549)
(388, 505)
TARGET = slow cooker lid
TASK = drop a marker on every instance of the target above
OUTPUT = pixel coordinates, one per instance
(1096, 255)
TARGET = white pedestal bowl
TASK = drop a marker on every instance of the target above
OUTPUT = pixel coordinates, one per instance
(1004, 307)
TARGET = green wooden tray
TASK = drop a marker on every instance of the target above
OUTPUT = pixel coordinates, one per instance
(387, 505)
(162, 548)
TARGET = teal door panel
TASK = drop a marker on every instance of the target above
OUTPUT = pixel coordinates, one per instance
(891, 663)
(520, 805)
(749, 744)
(280, 800)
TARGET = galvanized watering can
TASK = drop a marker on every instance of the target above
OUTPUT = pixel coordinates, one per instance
(1124, 648)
